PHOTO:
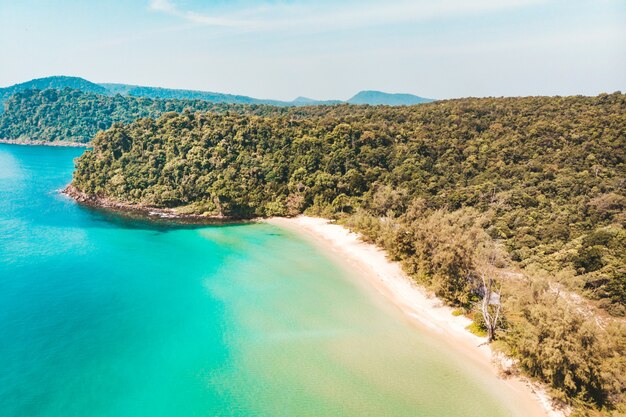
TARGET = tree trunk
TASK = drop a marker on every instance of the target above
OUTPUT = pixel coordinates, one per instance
(491, 320)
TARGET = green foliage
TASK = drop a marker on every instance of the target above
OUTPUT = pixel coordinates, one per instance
(477, 329)
(57, 82)
(560, 346)
(73, 116)
(176, 94)
(601, 258)
(441, 249)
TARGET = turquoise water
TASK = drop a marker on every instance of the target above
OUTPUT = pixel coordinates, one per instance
(104, 316)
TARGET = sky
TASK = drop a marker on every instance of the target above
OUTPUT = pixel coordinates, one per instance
(322, 49)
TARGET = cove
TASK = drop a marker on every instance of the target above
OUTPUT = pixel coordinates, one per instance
(106, 316)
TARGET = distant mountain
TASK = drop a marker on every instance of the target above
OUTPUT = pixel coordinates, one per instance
(169, 93)
(57, 82)
(305, 101)
(378, 97)
(127, 90)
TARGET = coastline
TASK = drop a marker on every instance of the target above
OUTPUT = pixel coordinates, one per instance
(375, 271)
(44, 143)
(420, 308)
(145, 212)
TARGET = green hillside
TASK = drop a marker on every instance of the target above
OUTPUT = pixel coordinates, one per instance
(74, 116)
(169, 93)
(56, 82)
(128, 90)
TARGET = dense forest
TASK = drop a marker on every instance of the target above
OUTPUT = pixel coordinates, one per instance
(68, 115)
(71, 115)
(529, 192)
(56, 82)
(85, 86)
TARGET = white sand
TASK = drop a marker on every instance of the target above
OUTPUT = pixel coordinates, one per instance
(421, 308)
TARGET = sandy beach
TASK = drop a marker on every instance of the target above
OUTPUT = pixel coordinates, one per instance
(419, 307)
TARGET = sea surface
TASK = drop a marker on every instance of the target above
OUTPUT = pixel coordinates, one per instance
(106, 316)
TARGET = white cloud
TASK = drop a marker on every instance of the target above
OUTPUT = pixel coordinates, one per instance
(162, 6)
(166, 6)
(276, 17)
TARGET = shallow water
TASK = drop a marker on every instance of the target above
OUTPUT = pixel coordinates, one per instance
(105, 316)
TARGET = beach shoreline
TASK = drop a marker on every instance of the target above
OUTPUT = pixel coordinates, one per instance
(416, 305)
(143, 212)
(374, 271)
(419, 307)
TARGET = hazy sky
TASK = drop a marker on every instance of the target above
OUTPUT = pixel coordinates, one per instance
(320, 48)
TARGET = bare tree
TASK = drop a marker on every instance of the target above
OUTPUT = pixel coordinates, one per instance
(491, 305)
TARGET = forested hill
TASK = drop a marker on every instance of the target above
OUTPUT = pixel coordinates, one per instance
(170, 93)
(85, 86)
(127, 90)
(56, 82)
(442, 187)
(70, 115)
(74, 116)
